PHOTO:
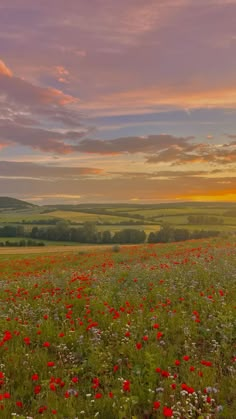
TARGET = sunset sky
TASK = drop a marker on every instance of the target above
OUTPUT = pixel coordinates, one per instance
(118, 100)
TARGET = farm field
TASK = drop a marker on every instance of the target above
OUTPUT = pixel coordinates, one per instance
(146, 332)
(114, 217)
(78, 216)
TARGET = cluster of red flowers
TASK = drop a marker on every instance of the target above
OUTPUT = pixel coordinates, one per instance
(91, 333)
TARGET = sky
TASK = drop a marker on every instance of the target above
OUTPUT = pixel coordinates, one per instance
(118, 101)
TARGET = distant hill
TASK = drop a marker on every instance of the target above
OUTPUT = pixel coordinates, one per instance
(14, 204)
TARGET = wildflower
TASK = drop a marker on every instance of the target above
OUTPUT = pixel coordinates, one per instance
(50, 364)
(165, 373)
(186, 358)
(95, 382)
(206, 363)
(27, 340)
(35, 377)
(126, 385)
(37, 389)
(138, 346)
(42, 409)
(156, 405)
(167, 411)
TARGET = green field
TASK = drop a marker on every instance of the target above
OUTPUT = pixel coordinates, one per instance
(117, 217)
(82, 217)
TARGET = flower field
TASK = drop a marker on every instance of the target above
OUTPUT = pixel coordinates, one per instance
(147, 332)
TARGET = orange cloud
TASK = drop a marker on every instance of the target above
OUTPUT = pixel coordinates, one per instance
(143, 100)
(50, 95)
(4, 70)
(27, 93)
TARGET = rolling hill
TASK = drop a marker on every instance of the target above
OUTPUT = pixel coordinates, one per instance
(7, 203)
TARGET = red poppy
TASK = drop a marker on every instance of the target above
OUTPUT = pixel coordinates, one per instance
(167, 411)
(50, 364)
(126, 385)
(156, 405)
(37, 389)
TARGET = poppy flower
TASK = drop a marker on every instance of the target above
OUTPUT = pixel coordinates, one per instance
(126, 386)
(167, 411)
(156, 405)
(50, 364)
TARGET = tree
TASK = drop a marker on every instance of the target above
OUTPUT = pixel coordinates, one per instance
(106, 236)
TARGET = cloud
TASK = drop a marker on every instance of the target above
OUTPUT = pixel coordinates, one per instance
(4, 70)
(42, 171)
(40, 139)
(163, 148)
(131, 145)
(22, 92)
(182, 96)
(211, 154)
(28, 112)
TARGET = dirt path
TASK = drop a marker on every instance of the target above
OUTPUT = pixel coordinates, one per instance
(49, 249)
(54, 249)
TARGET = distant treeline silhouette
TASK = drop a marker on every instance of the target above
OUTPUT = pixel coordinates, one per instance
(88, 233)
(204, 220)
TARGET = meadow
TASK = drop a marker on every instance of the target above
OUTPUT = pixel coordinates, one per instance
(145, 332)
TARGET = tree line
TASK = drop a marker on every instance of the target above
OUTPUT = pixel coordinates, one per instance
(88, 233)
(21, 243)
(205, 220)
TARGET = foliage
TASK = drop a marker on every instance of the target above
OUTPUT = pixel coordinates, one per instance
(168, 234)
(204, 219)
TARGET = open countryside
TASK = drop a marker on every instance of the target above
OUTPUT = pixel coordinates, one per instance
(21, 220)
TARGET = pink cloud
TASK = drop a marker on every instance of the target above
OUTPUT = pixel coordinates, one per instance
(21, 91)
